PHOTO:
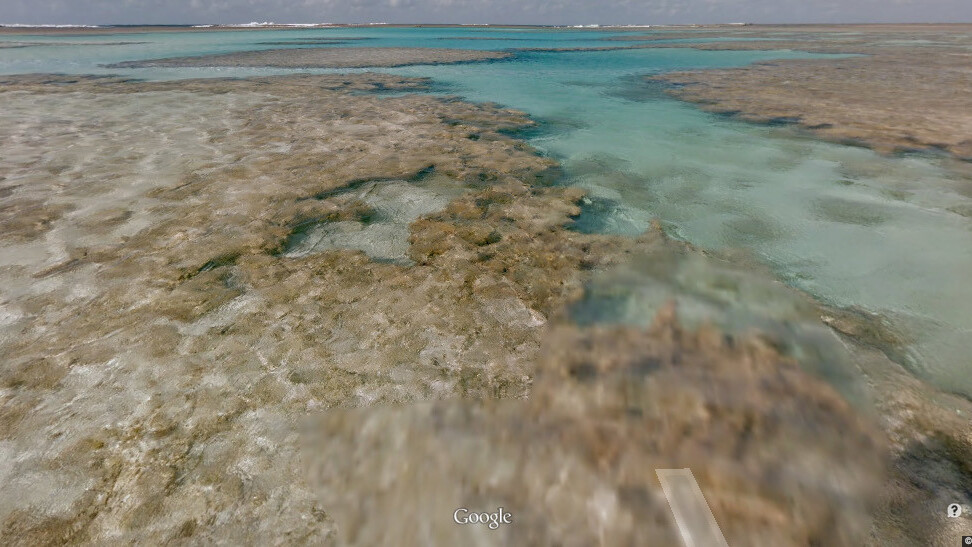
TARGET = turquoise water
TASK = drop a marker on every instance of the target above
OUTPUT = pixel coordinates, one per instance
(850, 227)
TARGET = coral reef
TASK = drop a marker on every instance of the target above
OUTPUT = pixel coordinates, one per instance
(163, 344)
(157, 342)
(575, 464)
(898, 96)
(321, 57)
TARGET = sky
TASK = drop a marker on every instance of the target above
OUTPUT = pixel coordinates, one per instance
(551, 12)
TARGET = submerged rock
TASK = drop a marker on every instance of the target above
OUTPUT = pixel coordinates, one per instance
(576, 463)
(158, 347)
(897, 97)
(346, 57)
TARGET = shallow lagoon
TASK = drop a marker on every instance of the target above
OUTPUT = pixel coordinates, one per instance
(854, 229)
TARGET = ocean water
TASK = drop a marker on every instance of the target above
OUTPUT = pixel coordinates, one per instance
(854, 229)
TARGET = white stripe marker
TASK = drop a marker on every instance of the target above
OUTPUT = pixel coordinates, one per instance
(692, 514)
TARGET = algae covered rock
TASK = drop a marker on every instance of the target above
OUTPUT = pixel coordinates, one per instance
(576, 463)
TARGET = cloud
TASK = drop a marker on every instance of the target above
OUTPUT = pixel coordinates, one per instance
(493, 11)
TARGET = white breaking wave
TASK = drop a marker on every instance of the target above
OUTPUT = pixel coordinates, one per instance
(265, 24)
(24, 25)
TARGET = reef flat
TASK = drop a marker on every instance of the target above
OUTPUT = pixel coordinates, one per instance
(608, 408)
(348, 57)
(158, 342)
(194, 273)
(906, 91)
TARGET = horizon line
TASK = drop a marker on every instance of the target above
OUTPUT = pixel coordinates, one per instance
(272, 24)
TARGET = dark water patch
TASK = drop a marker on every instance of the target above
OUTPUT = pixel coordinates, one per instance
(727, 113)
(897, 195)
(735, 294)
(961, 184)
(322, 57)
(871, 330)
(596, 216)
(214, 263)
(56, 79)
(301, 231)
(599, 308)
(609, 171)
(439, 87)
(393, 261)
(422, 174)
(427, 86)
(380, 88)
(550, 176)
(779, 121)
(571, 49)
(752, 230)
(846, 211)
(298, 236)
(932, 151)
(637, 88)
(302, 43)
(330, 39)
(486, 38)
(962, 210)
(545, 126)
(354, 184)
(614, 185)
(585, 83)
(597, 164)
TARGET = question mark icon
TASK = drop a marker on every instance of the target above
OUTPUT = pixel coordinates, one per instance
(954, 511)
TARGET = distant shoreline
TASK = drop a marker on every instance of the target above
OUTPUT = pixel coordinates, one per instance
(122, 29)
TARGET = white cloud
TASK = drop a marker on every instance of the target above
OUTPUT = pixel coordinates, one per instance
(496, 11)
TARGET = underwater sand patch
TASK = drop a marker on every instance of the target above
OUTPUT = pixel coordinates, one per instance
(381, 227)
